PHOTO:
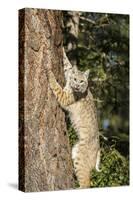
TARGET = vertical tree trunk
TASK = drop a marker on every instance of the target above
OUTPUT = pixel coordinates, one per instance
(44, 152)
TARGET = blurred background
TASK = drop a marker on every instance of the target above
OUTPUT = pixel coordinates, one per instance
(100, 42)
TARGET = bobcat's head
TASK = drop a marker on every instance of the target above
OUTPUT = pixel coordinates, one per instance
(79, 80)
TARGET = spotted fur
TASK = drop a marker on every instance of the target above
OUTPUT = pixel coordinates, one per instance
(77, 99)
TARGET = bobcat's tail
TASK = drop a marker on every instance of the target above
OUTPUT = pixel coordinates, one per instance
(98, 162)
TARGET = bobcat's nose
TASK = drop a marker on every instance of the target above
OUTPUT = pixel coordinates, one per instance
(77, 87)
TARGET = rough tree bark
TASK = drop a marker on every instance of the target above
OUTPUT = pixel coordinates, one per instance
(44, 152)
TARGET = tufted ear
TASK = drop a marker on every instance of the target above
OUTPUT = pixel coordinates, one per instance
(74, 68)
(87, 73)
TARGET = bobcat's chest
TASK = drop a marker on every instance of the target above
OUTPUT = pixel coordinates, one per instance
(78, 113)
(83, 117)
(76, 108)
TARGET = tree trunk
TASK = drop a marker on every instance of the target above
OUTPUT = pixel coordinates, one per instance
(44, 152)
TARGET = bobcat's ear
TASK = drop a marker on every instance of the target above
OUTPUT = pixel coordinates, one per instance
(74, 68)
(87, 73)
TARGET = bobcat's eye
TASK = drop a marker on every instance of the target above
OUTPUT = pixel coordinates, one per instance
(81, 81)
(75, 79)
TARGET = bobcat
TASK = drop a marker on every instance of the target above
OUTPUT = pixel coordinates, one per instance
(77, 99)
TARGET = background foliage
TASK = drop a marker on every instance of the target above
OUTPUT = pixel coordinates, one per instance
(102, 46)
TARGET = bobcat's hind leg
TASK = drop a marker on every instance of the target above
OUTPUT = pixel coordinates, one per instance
(81, 168)
(84, 181)
(82, 172)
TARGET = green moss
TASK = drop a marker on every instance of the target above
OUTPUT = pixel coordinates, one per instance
(72, 134)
